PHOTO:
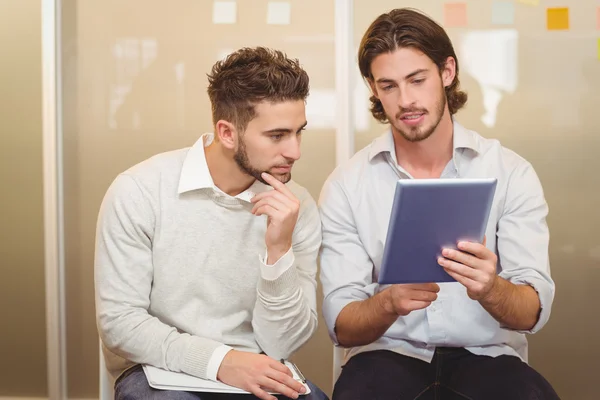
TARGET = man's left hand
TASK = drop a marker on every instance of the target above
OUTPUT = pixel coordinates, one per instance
(474, 266)
(281, 207)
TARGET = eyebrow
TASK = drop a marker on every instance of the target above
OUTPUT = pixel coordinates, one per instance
(285, 130)
(416, 72)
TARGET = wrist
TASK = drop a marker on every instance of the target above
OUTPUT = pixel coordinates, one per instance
(385, 302)
(495, 295)
(275, 252)
(226, 362)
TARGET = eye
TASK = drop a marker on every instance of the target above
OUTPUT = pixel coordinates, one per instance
(276, 138)
(387, 87)
(418, 81)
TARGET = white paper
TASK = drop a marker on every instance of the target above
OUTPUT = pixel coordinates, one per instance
(279, 13)
(167, 380)
(224, 12)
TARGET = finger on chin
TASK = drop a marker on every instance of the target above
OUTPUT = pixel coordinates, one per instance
(270, 179)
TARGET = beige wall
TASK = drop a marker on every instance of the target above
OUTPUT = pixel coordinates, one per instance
(123, 102)
(548, 90)
(22, 331)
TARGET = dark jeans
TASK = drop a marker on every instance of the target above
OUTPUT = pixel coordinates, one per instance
(454, 373)
(133, 385)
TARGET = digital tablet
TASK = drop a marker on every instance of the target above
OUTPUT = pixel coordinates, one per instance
(427, 216)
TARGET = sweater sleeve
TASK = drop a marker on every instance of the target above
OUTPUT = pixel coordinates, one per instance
(123, 274)
(285, 313)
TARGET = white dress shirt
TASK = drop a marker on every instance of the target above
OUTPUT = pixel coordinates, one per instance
(355, 207)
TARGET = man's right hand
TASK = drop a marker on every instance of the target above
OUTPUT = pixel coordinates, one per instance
(258, 374)
(403, 299)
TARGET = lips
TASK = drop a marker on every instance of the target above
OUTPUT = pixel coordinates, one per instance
(283, 167)
(412, 119)
(411, 116)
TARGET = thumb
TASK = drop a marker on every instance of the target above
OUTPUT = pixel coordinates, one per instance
(484, 239)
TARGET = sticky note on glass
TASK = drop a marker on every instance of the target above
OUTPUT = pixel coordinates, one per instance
(503, 13)
(530, 2)
(455, 14)
(224, 12)
(279, 13)
(558, 19)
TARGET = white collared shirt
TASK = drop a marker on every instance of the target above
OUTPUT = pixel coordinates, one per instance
(355, 207)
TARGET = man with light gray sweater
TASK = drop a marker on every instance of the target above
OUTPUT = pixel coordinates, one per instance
(206, 256)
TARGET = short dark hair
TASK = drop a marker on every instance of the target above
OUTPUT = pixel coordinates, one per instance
(249, 76)
(406, 27)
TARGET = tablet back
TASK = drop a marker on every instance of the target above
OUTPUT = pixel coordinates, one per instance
(428, 215)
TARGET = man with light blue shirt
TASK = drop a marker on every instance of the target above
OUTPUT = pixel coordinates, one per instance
(460, 340)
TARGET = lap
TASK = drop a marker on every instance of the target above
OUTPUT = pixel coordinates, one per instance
(502, 377)
(134, 386)
(384, 375)
(453, 374)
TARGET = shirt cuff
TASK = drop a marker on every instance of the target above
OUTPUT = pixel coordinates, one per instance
(272, 272)
(334, 303)
(545, 293)
(215, 361)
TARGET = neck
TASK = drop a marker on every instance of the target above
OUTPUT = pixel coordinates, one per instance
(429, 157)
(224, 171)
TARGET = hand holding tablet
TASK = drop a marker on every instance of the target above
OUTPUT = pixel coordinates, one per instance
(429, 215)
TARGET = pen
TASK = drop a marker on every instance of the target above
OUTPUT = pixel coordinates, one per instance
(302, 378)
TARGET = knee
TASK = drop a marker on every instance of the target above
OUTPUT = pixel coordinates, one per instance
(535, 386)
(315, 392)
(531, 385)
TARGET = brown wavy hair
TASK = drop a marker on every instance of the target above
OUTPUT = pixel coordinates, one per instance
(406, 27)
(252, 75)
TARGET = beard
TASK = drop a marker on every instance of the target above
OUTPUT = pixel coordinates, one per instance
(420, 133)
(243, 162)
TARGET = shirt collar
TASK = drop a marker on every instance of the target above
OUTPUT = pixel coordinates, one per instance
(462, 139)
(195, 174)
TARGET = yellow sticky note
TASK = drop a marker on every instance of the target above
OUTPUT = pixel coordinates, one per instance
(558, 19)
(455, 14)
(598, 48)
(530, 2)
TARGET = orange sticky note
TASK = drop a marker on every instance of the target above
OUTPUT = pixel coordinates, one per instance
(558, 19)
(455, 14)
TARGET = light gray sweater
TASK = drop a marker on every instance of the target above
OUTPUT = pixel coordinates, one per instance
(179, 270)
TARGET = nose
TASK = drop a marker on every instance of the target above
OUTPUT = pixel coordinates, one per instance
(405, 98)
(292, 148)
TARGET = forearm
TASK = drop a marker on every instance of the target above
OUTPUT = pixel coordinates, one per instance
(141, 338)
(363, 322)
(285, 315)
(514, 306)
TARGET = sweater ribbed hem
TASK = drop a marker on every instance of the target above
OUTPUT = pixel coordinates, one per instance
(283, 286)
(198, 355)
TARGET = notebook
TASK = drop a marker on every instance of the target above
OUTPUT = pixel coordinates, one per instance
(167, 380)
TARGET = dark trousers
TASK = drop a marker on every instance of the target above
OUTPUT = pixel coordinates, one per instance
(454, 373)
(133, 385)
